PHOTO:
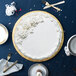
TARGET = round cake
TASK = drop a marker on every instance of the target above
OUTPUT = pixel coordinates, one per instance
(38, 36)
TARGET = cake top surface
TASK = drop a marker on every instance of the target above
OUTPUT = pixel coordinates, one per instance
(38, 35)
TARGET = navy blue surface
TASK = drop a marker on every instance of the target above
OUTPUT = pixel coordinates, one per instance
(60, 65)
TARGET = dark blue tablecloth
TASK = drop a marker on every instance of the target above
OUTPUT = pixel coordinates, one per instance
(60, 65)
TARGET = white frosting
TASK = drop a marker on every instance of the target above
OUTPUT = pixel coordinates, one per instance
(38, 35)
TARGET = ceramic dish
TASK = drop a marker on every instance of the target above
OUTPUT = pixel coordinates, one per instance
(4, 34)
(71, 46)
(33, 70)
(38, 36)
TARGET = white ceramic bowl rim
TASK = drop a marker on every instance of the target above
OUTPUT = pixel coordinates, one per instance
(69, 42)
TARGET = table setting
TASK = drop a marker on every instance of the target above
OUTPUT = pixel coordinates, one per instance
(37, 38)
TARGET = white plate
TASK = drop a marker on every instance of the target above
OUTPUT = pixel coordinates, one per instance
(38, 36)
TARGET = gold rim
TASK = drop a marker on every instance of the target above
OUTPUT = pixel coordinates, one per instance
(36, 60)
(6, 34)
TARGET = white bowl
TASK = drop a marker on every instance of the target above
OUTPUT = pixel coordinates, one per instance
(71, 44)
(6, 34)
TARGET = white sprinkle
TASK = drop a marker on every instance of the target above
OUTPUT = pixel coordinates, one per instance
(30, 8)
(64, 66)
(59, 14)
(34, 5)
(9, 49)
(16, 53)
(72, 21)
(65, 17)
(61, 10)
(9, 23)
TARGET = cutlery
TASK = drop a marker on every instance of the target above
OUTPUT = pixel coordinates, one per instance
(8, 58)
(10, 66)
(52, 5)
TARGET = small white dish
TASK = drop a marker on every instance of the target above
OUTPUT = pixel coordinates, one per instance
(3, 34)
(35, 67)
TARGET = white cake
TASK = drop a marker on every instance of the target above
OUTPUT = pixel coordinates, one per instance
(37, 36)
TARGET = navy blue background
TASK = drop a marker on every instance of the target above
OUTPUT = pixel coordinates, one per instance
(60, 65)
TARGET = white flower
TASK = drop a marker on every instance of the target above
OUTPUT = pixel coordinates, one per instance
(10, 9)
